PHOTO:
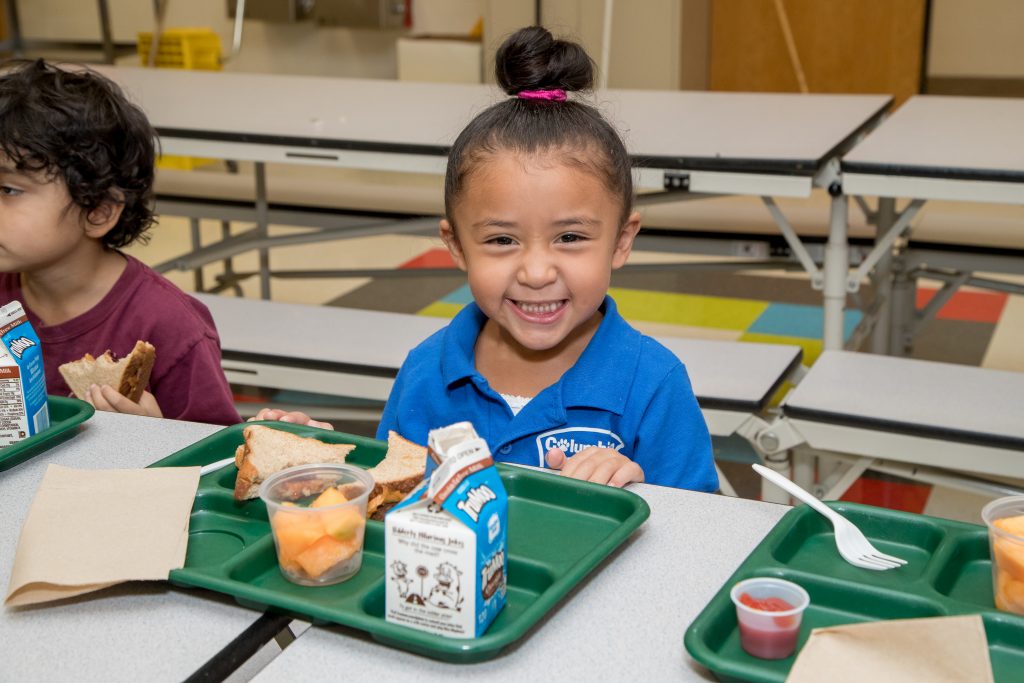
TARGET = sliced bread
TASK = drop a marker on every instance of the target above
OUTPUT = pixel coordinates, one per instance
(400, 471)
(268, 450)
(129, 376)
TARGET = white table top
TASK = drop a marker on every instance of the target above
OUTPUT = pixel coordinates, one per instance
(625, 622)
(938, 136)
(740, 132)
(143, 631)
(729, 375)
(938, 400)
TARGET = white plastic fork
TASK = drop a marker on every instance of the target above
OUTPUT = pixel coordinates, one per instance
(214, 466)
(851, 542)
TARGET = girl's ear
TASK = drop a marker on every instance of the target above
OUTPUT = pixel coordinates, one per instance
(451, 240)
(624, 242)
(104, 217)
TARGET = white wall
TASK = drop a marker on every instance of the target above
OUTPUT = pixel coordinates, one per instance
(982, 38)
(645, 45)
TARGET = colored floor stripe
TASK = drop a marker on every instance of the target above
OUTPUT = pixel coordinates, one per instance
(978, 307)
(799, 320)
(687, 309)
(886, 493)
(433, 258)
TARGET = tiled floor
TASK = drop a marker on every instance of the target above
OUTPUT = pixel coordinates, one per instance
(976, 327)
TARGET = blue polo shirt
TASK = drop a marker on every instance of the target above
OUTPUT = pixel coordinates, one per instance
(626, 392)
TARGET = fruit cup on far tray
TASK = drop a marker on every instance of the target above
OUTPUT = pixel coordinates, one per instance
(318, 518)
(1005, 520)
(769, 611)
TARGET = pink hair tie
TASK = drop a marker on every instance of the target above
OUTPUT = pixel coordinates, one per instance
(552, 95)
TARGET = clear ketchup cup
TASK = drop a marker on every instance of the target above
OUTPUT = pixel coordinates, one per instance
(769, 611)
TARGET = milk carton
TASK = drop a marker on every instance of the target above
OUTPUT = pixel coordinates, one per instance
(23, 409)
(445, 545)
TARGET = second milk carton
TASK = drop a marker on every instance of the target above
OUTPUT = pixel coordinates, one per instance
(445, 545)
(23, 410)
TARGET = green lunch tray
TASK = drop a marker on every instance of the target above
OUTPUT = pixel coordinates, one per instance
(65, 414)
(948, 572)
(559, 530)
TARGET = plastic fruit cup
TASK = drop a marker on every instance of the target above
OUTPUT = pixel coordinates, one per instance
(1006, 543)
(318, 518)
(769, 634)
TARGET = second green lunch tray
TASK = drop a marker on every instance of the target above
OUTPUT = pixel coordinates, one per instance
(65, 414)
(948, 572)
(559, 530)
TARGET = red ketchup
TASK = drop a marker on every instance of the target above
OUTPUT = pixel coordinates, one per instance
(769, 644)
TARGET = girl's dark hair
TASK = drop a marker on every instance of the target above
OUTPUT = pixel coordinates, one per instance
(79, 127)
(531, 59)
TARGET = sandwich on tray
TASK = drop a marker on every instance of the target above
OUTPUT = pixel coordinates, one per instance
(267, 451)
(400, 471)
(129, 376)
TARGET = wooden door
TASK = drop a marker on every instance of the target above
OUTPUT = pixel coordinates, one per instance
(843, 46)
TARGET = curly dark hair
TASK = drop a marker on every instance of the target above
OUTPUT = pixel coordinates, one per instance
(532, 59)
(77, 126)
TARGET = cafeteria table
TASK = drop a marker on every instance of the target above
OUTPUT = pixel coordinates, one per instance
(140, 631)
(684, 145)
(966, 149)
(624, 622)
(638, 601)
(941, 423)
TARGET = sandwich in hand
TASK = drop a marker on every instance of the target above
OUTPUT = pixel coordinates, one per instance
(400, 471)
(129, 376)
(267, 451)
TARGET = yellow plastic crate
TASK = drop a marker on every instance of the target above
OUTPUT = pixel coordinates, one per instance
(183, 48)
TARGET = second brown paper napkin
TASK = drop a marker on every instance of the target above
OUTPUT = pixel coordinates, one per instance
(89, 529)
(937, 650)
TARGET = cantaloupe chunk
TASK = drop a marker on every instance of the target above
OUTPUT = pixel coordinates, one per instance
(331, 496)
(323, 555)
(1009, 593)
(295, 531)
(1011, 525)
(344, 524)
(1009, 557)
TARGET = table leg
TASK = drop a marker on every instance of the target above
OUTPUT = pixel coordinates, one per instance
(263, 228)
(904, 308)
(836, 268)
(197, 243)
(885, 217)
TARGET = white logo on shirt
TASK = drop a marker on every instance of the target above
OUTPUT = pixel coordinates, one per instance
(572, 440)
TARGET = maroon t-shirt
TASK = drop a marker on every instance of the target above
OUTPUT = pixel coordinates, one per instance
(187, 378)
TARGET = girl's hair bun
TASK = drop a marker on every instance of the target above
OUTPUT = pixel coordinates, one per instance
(531, 59)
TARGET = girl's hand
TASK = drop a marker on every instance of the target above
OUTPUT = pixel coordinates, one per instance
(105, 397)
(599, 465)
(294, 417)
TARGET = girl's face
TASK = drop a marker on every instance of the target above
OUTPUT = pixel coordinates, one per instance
(538, 239)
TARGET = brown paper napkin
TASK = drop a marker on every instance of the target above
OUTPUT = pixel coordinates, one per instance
(937, 650)
(89, 529)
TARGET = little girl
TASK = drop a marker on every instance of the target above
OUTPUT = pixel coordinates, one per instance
(538, 212)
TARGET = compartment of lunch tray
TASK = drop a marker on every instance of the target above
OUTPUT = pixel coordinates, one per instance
(810, 544)
(833, 602)
(527, 581)
(965, 573)
(257, 570)
(557, 526)
(1005, 644)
